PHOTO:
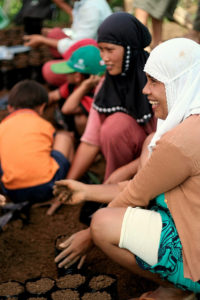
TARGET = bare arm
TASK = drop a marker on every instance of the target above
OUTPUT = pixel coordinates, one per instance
(73, 101)
(35, 40)
(54, 96)
(74, 192)
(79, 244)
(83, 158)
(124, 173)
(64, 6)
(129, 170)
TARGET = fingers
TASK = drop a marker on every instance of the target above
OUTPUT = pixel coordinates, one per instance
(70, 260)
(66, 263)
(58, 189)
(53, 207)
(63, 193)
(2, 200)
(81, 262)
(26, 37)
(64, 254)
(61, 182)
(62, 196)
(67, 242)
(66, 258)
(68, 255)
(33, 40)
(66, 250)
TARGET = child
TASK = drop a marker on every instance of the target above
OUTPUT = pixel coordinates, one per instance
(32, 158)
(81, 70)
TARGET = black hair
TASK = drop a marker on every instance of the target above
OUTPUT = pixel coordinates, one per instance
(27, 94)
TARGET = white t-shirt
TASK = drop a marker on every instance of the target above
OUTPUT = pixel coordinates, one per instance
(87, 17)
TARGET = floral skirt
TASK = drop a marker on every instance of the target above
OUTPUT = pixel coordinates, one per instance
(170, 261)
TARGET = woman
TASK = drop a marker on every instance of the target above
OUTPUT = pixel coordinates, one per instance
(170, 229)
(121, 116)
(152, 226)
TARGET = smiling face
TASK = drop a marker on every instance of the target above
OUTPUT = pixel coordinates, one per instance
(113, 56)
(155, 91)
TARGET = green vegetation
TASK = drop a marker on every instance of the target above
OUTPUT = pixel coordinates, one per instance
(11, 7)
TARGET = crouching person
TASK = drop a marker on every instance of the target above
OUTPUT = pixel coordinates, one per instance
(32, 155)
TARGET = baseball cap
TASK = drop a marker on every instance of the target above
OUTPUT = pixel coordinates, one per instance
(80, 43)
(86, 60)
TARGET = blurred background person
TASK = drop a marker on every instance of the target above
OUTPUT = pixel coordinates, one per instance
(156, 10)
(87, 16)
(194, 33)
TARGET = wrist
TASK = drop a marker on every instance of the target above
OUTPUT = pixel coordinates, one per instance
(85, 192)
(85, 86)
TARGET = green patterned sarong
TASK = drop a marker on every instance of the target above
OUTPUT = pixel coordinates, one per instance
(170, 261)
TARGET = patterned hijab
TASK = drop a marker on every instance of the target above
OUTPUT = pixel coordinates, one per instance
(123, 92)
(176, 63)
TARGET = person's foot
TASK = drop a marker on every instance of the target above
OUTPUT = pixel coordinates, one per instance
(163, 293)
(193, 35)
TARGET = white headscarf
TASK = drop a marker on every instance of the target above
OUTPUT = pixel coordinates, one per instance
(176, 63)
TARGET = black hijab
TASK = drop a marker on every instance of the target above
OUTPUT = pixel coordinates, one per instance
(123, 92)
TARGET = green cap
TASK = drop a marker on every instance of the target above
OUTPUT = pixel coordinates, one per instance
(86, 60)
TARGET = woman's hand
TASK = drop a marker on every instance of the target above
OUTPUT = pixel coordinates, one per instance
(75, 248)
(70, 191)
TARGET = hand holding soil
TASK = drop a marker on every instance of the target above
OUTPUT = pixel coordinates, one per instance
(69, 191)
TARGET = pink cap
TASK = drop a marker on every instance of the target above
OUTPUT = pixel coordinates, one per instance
(84, 42)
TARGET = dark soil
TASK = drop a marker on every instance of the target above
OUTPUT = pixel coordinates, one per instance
(27, 249)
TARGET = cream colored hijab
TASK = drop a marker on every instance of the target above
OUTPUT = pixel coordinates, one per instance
(176, 63)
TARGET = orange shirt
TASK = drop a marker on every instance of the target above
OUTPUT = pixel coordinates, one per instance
(26, 142)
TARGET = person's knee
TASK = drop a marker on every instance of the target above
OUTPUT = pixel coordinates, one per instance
(106, 226)
(117, 127)
(107, 134)
(64, 143)
(99, 223)
(63, 134)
